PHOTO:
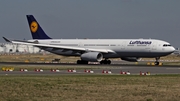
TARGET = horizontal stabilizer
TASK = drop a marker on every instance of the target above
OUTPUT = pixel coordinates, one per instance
(7, 40)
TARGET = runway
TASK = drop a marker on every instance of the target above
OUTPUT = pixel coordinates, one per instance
(114, 69)
(73, 64)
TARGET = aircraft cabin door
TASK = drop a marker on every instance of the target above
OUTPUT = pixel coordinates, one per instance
(80, 44)
(154, 46)
(123, 45)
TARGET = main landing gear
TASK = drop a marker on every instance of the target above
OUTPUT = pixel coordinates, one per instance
(106, 61)
(82, 62)
(157, 61)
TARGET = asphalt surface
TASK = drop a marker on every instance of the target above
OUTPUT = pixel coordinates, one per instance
(114, 69)
(73, 64)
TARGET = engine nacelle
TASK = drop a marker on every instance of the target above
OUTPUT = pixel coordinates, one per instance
(92, 56)
(130, 59)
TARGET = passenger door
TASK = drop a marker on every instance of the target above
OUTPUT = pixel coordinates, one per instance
(154, 46)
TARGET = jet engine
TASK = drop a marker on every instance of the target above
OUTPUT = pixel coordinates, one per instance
(131, 59)
(92, 56)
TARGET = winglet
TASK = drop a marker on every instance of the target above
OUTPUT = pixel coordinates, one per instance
(7, 40)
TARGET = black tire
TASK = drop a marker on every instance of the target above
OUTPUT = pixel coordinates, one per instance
(156, 63)
(82, 62)
(108, 61)
(102, 62)
(78, 62)
(105, 62)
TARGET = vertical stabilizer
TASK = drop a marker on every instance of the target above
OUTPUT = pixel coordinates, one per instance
(36, 30)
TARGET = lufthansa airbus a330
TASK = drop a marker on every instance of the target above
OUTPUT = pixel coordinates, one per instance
(97, 50)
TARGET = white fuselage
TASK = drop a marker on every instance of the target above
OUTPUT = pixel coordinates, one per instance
(120, 47)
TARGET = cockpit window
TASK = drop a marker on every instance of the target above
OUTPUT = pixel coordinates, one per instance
(166, 45)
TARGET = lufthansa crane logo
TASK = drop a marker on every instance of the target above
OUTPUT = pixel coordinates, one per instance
(34, 26)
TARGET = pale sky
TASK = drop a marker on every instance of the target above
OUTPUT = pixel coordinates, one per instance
(97, 19)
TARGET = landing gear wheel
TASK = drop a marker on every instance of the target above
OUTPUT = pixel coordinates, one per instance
(101, 62)
(105, 62)
(82, 62)
(78, 61)
(157, 61)
(108, 62)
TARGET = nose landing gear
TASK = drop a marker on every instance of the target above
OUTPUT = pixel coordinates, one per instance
(157, 61)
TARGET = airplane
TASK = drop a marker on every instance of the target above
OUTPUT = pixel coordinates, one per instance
(96, 50)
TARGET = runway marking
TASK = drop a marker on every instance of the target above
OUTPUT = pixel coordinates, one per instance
(172, 68)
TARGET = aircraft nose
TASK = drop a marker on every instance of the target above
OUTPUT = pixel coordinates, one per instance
(172, 49)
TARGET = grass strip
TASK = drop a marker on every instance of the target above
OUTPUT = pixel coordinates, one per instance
(89, 88)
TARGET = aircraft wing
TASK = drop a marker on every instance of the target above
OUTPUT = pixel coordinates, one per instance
(58, 46)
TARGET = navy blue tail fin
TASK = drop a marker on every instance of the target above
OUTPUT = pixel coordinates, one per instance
(36, 30)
